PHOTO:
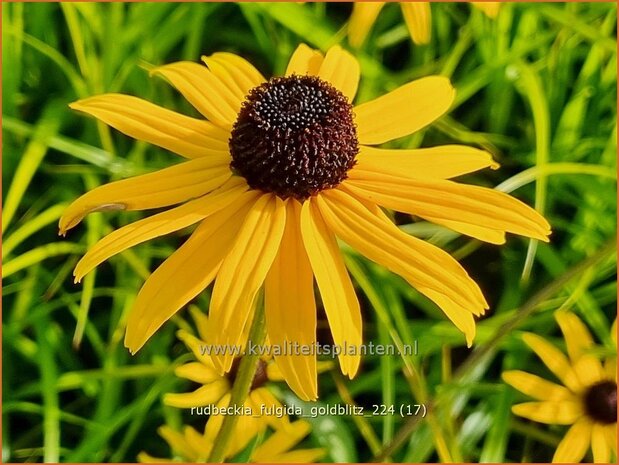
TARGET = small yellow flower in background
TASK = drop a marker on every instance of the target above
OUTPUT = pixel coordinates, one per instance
(216, 388)
(191, 446)
(281, 169)
(417, 16)
(587, 400)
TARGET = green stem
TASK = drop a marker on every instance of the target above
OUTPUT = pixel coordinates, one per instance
(242, 384)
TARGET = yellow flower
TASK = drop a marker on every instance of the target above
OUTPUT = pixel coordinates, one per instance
(417, 16)
(587, 400)
(191, 446)
(216, 388)
(280, 169)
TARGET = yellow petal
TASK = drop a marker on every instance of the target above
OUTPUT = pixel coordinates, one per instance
(168, 186)
(553, 413)
(144, 457)
(404, 110)
(336, 289)
(185, 273)
(177, 442)
(367, 229)
(297, 456)
(159, 225)
(304, 60)
(196, 442)
(554, 359)
(205, 91)
(491, 236)
(142, 120)
(361, 21)
(577, 337)
(599, 445)
(418, 20)
(196, 372)
(280, 442)
(205, 395)
(610, 367)
(574, 444)
(610, 432)
(236, 72)
(589, 370)
(341, 70)
(291, 309)
(491, 9)
(442, 162)
(460, 315)
(448, 200)
(198, 348)
(536, 387)
(242, 273)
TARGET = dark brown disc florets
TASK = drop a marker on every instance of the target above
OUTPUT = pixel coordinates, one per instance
(294, 136)
(601, 402)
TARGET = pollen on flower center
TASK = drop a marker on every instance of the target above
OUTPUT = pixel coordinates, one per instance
(294, 137)
(601, 402)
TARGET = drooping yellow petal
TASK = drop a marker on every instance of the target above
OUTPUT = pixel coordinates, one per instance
(361, 20)
(336, 289)
(577, 337)
(404, 110)
(205, 91)
(242, 273)
(492, 236)
(341, 70)
(177, 442)
(589, 370)
(196, 442)
(564, 412)
(196, 372)
(291, 309)
(610, 432)
(205, 395)
(186, 272)
(442, 162)
(168, 186)
(447, 200)
(281, 441)
(297, 456)
(418, 20)
(574, 444)
(599, 445)
(491, 9)
(236, 72)
(144, 457)
(198, 348)
(426, 265)
(304, 60)
(159, 225)
(536, 387)
(142, 120)
(554, 359)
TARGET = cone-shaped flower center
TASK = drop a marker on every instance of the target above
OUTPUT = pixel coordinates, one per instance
(294, 137)
(601, 402)
(260, 377)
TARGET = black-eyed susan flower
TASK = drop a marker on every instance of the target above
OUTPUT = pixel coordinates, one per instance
(193, 447)
(417, 16)
(586, 400)
(277, 172)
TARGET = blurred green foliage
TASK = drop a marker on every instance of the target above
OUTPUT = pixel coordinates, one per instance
(536, 87)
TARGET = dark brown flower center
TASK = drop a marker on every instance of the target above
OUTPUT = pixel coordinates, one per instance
(601, 402)
(294, 137)
(260, 378)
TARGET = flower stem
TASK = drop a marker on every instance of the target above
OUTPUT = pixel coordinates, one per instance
(242, 384)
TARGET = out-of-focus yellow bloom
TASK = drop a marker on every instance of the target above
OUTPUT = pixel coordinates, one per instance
(191, 446)
(417, 16)
(586, 400)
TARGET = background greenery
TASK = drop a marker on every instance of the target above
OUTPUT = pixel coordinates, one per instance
(537, 88)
